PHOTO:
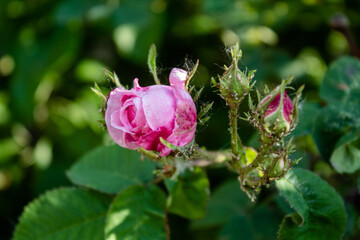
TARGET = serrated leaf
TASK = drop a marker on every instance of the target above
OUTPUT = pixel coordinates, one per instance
(137, 213)
(63, 214)
(111, 169)
(188, 194)
(341, 81)
(221, 209)
(320, 212)
(152, 63)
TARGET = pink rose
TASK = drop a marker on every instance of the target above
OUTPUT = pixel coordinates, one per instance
(140, 116)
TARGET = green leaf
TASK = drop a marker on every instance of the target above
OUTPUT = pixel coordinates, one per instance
(238, 228)
(137, 213)
(346, 157)
(188, 194)
(331, 123)
(152, 63)
(111, 169)
(341, 81)
(226, 202)
(320, 212)
(63, 214)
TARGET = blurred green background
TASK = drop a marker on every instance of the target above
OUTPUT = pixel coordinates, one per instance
(52, 52)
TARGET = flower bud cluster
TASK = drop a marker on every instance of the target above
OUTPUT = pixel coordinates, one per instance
(275, 117)
(160, 122)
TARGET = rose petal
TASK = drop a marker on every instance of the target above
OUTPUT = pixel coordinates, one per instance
(159, 106)
(287, 106)
(185, 121)
(116, 122)
(115, 99)
(127, 114)
(136, 85)
(178, 77)
(151, 140)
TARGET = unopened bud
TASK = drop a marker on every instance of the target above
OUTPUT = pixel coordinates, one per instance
(279, 115)
(234, 84)
(276, 113)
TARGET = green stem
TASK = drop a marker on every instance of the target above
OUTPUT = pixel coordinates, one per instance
(236, 145)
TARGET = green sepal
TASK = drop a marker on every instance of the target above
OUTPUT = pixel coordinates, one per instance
(152, 63)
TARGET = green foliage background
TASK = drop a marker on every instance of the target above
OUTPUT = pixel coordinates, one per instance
(51, 52)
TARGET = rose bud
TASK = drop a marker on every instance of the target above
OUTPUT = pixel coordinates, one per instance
(234, 84)
(139, 117)
(278, 115)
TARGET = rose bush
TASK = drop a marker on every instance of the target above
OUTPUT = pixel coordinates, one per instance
(140, 116)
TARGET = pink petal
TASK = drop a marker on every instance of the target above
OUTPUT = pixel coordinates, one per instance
(116, 122)
(287, 106)
(159, 106)
(127, 113)
(136, 84)
(178, 77)
(151, 140)
(115, 99)
(185, 121)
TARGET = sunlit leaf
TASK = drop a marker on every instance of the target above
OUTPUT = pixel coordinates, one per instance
(111, 169)
(137, 213)
(63, 214)
(188, 194)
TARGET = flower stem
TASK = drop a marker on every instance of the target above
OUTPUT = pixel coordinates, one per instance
(236, 145)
